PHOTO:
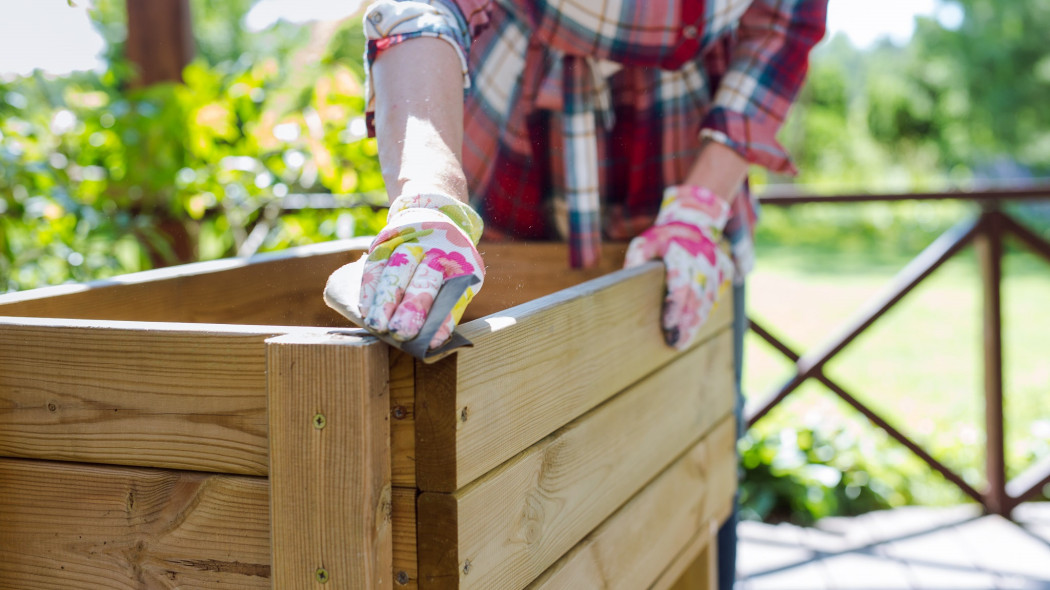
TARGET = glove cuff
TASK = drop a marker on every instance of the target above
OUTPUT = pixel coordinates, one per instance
(457, 211)
(694, 205)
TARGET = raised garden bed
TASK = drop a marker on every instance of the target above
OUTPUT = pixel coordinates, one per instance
(216, 426)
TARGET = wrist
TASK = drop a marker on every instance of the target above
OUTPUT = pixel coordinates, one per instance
(719, 168)
(455, 211)
(694, 205)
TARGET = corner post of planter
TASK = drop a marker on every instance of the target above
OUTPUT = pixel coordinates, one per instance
(330, 487)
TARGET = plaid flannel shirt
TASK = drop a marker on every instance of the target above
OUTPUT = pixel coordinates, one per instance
(583, 112)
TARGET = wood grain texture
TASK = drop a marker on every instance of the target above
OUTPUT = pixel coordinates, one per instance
(699, 574)
(178, 396)
(537, 366)
(507, 528)
(518, 272)
(331, 500)
(406, 572)
(402, 419)
(636, 544)
(696, 564)
(85, 526)
(274, 289)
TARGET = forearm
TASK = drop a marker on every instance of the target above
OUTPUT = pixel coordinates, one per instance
(419, 118)
(719, 169)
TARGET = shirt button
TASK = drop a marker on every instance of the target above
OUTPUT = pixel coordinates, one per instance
(690, 32)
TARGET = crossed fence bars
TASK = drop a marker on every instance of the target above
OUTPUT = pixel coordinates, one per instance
(986, 231)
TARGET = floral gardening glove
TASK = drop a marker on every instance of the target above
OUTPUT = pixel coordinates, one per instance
(685, 237)
(428, 239)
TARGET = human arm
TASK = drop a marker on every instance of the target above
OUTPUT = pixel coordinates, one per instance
(759, 80)
(419, 118)
(416, 59)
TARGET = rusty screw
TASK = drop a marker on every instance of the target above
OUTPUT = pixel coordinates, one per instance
(402, 578)
(400, 413)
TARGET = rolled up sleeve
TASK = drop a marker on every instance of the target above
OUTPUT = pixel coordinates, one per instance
(391, 22)
(766, 68)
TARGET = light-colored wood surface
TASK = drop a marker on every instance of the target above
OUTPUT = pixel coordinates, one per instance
(507, 528)
(534, 368)
(518, 272)
(701, 573)
(696, 565)
(406, 572)
(634, 546)
(329, 407)
(402, 419)
(277, 289)
(178, 396)
(84, 526)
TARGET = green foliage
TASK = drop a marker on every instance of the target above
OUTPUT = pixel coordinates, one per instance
(802, 474)
(97, 179)
(952, 106)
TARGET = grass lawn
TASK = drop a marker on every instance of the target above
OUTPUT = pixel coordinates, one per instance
(919, 366)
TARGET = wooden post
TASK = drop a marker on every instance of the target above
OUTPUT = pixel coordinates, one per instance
(329, 461)
(160, 39)
(990, 252)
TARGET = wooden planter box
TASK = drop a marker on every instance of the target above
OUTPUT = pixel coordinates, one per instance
(216, 426)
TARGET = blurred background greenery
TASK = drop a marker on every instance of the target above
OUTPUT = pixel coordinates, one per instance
(99, 177)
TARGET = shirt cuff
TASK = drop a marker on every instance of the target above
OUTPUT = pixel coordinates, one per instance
(391, 22)
(751, 136)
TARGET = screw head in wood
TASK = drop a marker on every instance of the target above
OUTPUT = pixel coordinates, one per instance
(319, 421)
(402, 578)
(321, 575)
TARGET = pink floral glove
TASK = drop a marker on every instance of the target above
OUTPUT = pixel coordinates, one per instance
(685, 237)
(428, 239)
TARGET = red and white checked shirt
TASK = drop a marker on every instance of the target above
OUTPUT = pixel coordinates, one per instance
(594, 107)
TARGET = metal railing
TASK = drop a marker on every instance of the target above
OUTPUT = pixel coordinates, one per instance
(986, 230)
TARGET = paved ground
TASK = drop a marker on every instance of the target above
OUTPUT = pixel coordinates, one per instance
(931, 548)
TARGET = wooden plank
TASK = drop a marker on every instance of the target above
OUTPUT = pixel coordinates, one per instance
(406, 572)
(697, 563)
(402, 419)
(87, 526)
(505, 529)
(269, 289)
(534, 368)
(634, 546)
(331, 500)
(701, 573)
(518, 272)
(178, 396)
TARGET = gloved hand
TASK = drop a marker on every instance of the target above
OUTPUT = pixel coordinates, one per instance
(428, 239)
(686, 237)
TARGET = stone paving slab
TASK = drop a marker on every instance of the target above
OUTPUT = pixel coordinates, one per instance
(955, 548)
